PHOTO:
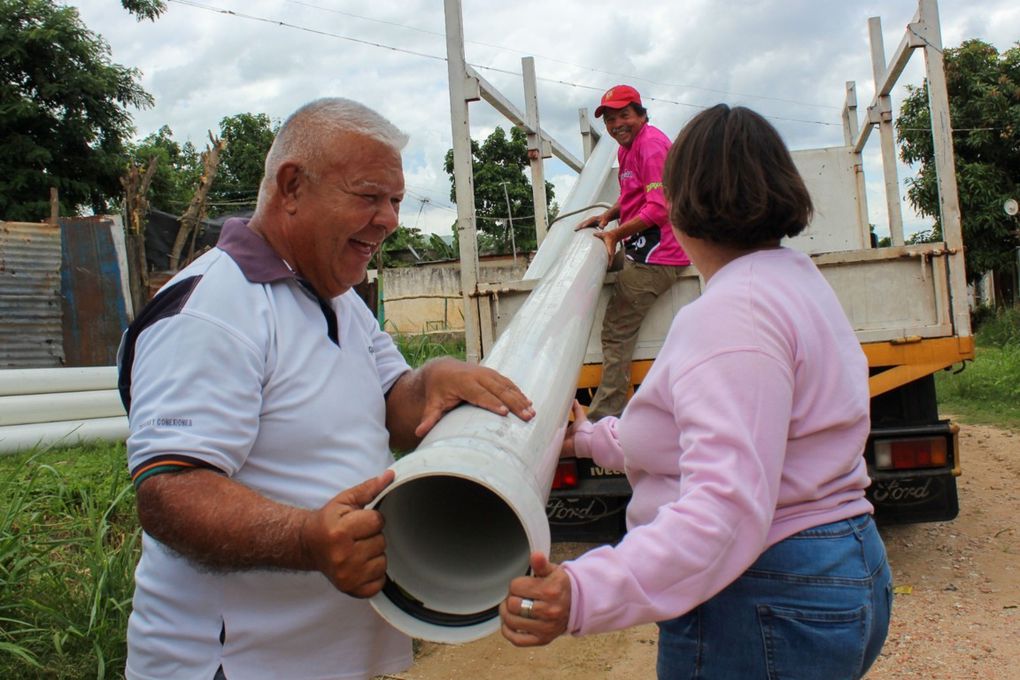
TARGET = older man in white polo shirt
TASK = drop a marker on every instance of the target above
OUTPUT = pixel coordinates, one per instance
(258, 387)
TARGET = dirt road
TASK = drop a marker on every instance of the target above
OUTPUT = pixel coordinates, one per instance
(956, 616)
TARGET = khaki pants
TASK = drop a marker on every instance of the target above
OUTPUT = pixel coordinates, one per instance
(637, 288)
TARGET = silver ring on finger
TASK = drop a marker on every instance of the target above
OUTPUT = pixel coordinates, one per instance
(526, 606)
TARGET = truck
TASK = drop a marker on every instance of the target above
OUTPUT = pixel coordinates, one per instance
(906, 302)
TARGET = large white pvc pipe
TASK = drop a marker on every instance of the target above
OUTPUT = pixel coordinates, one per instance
(468, 506)
(591, 186)
(44, 408)
(14, 438)
(49, 380)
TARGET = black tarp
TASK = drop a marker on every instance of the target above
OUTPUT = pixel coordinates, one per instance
(161, 230)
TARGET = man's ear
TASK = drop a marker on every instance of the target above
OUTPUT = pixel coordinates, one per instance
(290, 185)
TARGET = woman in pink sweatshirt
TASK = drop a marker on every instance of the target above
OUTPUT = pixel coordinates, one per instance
(749, 538)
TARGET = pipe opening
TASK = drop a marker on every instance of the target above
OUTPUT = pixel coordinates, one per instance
(452, 547)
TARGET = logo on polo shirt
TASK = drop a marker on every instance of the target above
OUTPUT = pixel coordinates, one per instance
(167, 422)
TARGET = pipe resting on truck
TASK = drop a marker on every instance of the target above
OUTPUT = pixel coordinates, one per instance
(467, 508)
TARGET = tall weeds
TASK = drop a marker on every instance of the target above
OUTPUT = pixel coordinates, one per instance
(418, 349)
(69, 541)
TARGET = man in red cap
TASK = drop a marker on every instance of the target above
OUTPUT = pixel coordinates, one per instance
(651, 255)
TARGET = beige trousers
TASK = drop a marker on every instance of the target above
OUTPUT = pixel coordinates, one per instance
(637, 288)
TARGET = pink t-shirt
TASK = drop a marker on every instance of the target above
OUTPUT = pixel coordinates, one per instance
(641, 195)
(749, 427)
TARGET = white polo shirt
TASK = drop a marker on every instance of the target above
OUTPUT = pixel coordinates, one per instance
(232, 368)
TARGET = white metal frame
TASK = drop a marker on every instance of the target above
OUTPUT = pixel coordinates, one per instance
(467, 86)
(924, 33)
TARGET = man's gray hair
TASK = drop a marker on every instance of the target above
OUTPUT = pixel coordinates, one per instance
(302, 135)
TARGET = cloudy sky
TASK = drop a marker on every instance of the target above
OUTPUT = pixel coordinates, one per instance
(787, 59)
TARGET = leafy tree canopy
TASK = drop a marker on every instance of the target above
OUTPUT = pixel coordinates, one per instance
(144, 9)
(500, 164)
(984, 102)
(248, 137)
(63, 111)
(177, 169)
(235, 186)
(397, 248)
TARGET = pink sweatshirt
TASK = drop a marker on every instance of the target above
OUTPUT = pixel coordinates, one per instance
(749, 427)
(641, 195)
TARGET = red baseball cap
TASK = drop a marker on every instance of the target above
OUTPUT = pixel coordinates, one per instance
(618, 97)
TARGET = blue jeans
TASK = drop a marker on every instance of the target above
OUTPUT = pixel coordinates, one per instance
(815, 606)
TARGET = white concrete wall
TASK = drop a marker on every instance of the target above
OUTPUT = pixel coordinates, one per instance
(427, 297)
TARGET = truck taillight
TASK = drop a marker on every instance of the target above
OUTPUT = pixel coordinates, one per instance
(566, 474)
(902, 454)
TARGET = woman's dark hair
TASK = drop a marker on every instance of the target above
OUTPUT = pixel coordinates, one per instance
(730, 179)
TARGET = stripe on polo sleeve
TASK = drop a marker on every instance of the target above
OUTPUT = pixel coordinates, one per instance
(168, 462)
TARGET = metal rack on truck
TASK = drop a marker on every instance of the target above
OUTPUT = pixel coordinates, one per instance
(907, 303)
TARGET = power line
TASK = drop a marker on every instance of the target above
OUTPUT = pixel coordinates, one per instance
(421, 194)
(276, 22)
(955, 129)
(626, 76)
(478, 214)
(218, 10)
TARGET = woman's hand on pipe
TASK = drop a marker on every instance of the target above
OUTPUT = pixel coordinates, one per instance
(580, 416)
(548, 592)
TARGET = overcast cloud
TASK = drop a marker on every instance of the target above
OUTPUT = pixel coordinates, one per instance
(787, 59)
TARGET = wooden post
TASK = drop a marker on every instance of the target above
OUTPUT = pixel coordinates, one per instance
(54, 206)
(136, 209)
(196, 209)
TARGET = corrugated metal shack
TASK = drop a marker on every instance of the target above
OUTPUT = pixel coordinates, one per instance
(31, 334)
(62, 299)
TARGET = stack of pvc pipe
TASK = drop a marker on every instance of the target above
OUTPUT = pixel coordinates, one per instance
(41, 407)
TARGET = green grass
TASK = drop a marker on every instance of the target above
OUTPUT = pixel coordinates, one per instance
(418, 349)
(987, 391)
(69, 541)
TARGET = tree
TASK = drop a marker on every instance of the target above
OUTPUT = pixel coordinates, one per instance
(177, 171)
(499, 165)
(248, 137)
(63, 111)
(144, 9)
(426, 247)
(401, 241)
(984, 102)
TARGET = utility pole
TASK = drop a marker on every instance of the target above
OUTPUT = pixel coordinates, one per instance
(510, 219)
(421, 208)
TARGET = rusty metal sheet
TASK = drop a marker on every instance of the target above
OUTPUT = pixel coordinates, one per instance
(30, 309)
(95, 314)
